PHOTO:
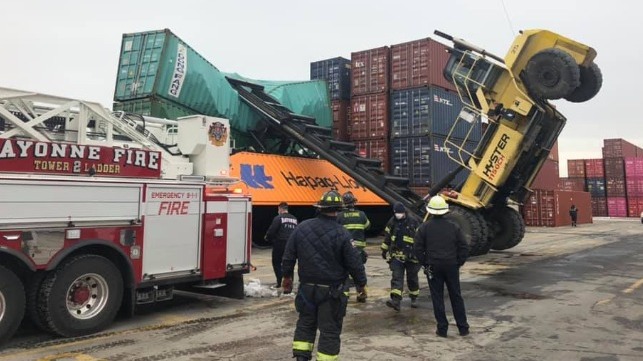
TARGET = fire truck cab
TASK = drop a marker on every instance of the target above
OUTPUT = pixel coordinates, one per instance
(88, 227)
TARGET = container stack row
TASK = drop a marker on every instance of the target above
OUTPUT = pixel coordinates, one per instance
(401, 109)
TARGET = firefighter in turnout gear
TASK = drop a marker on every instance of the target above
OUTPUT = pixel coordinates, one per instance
(398, 246)
(326, 258)
(277, 234)
(356, 222)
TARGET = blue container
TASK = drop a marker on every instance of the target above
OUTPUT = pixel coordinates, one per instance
(425, 160)
(337, 74)
(596, 186)
(427, 111)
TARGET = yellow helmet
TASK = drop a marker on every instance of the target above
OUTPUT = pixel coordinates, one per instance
(437, 205)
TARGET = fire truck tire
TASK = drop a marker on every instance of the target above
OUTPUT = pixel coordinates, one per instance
(12, 303)
(552, 74)
(474, 228)
(33, 289)
(508, 228)
(591, 81)
(82, 296)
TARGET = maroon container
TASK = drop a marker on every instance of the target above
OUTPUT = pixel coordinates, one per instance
(572, 184)
(619, 148)
(617, 206)
(369, 116)
(576, 168)
(633, 167)
(614, 167)
(548, 177)
(615, 187)
(374, 148)
(594, 168)
(419, 63)
(553, 153)
(599, 206)
(634, 206)
(551, 208)
(340, 119)
(634, 186)
(370, 71)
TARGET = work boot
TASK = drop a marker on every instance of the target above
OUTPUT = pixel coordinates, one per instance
(361, 297)
(414, 302)
(394, 303)
(302, 358)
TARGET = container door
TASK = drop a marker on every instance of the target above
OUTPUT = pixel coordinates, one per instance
(172, 230)
(237, 245)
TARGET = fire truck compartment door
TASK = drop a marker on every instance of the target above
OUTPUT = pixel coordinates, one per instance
(237, 245)
(172, 239)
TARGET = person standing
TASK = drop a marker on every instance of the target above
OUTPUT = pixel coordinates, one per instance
(326, 257)
(356, 222)
(573, 213)
(398, 244)
(277, 234)
(441, 248)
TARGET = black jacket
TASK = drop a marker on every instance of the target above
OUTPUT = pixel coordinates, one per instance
(325, 253)
(281, 228)
(398, 238)
(440, 241)
(356, 222)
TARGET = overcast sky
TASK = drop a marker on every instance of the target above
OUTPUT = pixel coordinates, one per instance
(71, 48)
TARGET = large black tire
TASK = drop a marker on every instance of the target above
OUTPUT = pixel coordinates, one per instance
(474, 228)
(32, 291)
(81, 297)
(507, 228)
(552, 74)
(12, 303)
(591, 80)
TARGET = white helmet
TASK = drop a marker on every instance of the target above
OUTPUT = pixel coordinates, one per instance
(437, 205)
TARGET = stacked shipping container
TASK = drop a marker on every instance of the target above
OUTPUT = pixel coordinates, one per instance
(634, 186)
(337, 74)
(550, 208)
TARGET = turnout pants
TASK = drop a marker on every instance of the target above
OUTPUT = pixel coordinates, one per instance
(320, 307)
(397, 280)
(349, 281)
(278, 249)
(449, 274)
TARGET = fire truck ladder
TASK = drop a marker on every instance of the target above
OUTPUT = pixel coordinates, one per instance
(341, 154)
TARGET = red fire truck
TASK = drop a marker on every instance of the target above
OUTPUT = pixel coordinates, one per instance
(102, 211)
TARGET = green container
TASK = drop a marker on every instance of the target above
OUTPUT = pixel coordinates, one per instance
(158, 64)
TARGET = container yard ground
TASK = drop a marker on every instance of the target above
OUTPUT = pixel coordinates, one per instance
(562, 294)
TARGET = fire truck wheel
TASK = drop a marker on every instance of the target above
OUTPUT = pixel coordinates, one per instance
(32, 289)
(12, 303)
(81, 297)
(474, 228)
(552, 74)
(591, 81)
(508, 228)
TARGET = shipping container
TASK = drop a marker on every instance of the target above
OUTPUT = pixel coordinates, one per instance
(617, 206)
(634, 186)
(613, 148)
(596, 187)
(340, 119)
(594, 168)
(419, 63)
(553, 153)
(158, 64)
(599, 206)
(154, 107)
(576, 168)
(548, 177)
(420, 191)
(633, 167)
(614, 167)
(370, 71)
(634, 206)
(337, 74)
(425, 160)
(572, 184)
(550, 208)
(615, 187)
(375, 149)
(428, 110)
(369, 116)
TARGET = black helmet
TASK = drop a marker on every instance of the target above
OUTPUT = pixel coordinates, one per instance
(330, 201)
(349, 199)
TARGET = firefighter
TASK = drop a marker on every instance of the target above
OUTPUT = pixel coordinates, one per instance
(356, 222)
(442, 249)
(280, 229)
(326, 257)
(398, 244)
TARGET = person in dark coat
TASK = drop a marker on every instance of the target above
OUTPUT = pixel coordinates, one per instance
(277, 234)
(356, 222)
(573, 213)
(441, 248)
(326, 257)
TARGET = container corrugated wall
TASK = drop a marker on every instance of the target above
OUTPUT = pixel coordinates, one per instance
(550, 208)
(634, 206)
(155, 107)
(337, 73)
(594, 168)
(596, 187)
(419, 63)
(428, 110)
(340, 119)
(617, 206)
(576, 168)
(375, 149)
(613, 148)
(572, 184)
(599, 207)
(369, 117)
(370, 71)
(548, 177)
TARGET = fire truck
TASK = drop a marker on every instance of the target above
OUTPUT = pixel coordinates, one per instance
(101, 212)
